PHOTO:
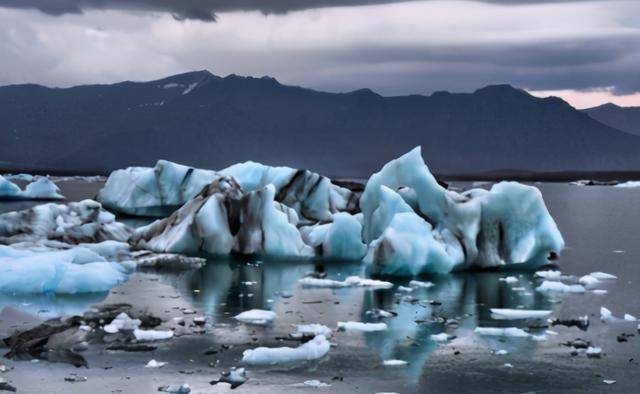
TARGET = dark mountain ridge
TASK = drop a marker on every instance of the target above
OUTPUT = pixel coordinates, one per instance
(208, 121)
(623, 118)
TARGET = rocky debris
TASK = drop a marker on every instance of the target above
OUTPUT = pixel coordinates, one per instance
(234, 377)
(581, 322)
(4, 386)
(75, 378)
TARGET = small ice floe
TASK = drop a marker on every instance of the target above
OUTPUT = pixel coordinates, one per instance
(509, 279)
(380, 313)
(75, 378)
(607, 316)
(175, 389)
(351, 281)
(588, 281)
(155, 364)
(502, 332)
(594, 352)
(122, 322)
(3, 368)
(394, 363)
(311, 330)
(360, 326)
(500, 352)
(602, 275)
(421, 284)
(152, 335)
(235, 377)
(608, 381)
(258, 317)
(507, 365)
(314, 383)
(405, 289)
(442, 337)
(549, 275)
(315, 349)
(628, 184)
(558, 287)
(599, 291)
(515, 314)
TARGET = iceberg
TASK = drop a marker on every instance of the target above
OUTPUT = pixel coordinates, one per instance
(360, 326)
(514, 314)
(549, 286)
(73, 223)
(256, 316)
(221, 220)
(315, 349)
(40, 189)
(77, 270)
(509, 224)
(154, 192)
(340, 239)
(502, 332)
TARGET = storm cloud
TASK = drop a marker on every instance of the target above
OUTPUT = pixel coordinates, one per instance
(206, 10)
(391, 47)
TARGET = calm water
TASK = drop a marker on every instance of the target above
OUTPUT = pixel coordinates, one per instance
(600, 226)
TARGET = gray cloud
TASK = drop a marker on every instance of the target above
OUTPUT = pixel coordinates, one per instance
(206, 9)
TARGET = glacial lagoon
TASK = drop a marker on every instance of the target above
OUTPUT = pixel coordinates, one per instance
(599, 225)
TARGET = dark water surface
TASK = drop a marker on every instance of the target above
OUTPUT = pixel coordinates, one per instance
(600, 227)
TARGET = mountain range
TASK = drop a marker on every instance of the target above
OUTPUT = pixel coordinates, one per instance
(208, 121)
(622, 118)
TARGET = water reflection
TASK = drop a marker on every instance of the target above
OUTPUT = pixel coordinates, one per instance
(48, 306)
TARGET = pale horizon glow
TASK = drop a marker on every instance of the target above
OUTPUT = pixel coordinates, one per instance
(589, 99)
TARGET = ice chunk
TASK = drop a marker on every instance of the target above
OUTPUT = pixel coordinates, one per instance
(73, 223)
(394, 363)
(220, 220)
(312, 330)
(588, 280)
(514, 314)
(605, 314)
(156, 191)
(77, 270)
(502, 332)
(628, 317)
(122, 322)
(40, 189)
(156, 364)
(594, 352)
(351, 281)
(424, 285)
(359, 326)
(509, 279)
(507, 225)
(340, 239)
(315, 349)
(175, 389)
(442, 337)
(628, 184)
(312, 383)
(257, 317)
(311, 195)
(602, 275)
(558, 287)
(549, 275)
(152, 335)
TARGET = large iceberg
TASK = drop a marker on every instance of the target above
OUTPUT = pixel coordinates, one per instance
(72, 223)
(156, 191)
(40, 189)
(161, 190)
(221, 220)
(507, 225)
(76, 270)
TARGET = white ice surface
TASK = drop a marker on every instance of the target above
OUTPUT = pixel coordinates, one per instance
(256, 316)
(515, 314)
(558, 287)
(360, 326)
(315, 349)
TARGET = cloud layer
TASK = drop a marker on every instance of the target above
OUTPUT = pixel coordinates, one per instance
(395, 48)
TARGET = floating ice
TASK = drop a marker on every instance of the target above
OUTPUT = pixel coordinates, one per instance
(628, 184)
(77, 270)
(256, 316)
(602, 275)
(312, 330)
(515, 314)
(312, 383)
(594, 352)
(509, 279)
(152, 335)
(315, 349)
(588, 280)
(360, 326)
(351, 281)
(156, 364)
(235, 377)
(424, 285)
(394, 363)
(156, 191)
(549, 275)
(502, 332)
(559, 287)
(507, 225)
(40, 189)
(73, 223)
(442, 337)
(220, 220)
(175, 389)
(122, 322)
(501, 352)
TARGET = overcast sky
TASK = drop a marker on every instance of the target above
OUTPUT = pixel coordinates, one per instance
(587, 52)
